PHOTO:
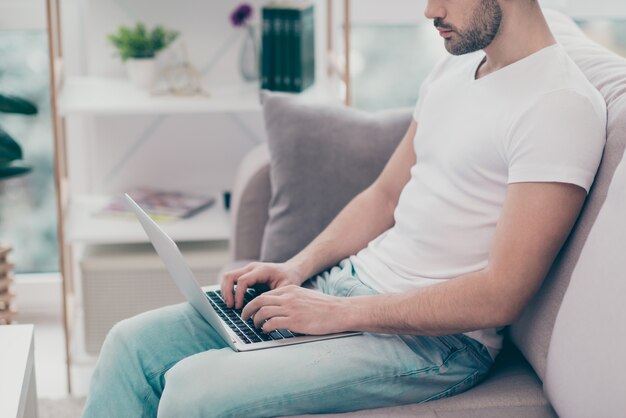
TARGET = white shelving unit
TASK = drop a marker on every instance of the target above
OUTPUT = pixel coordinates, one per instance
(99, 96)
(113, 96)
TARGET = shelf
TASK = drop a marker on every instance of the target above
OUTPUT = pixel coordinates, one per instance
(117, 96)
(99, 95)
(82, 226)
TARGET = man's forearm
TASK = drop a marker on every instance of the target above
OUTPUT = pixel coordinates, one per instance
(462, 304)
(368, 215)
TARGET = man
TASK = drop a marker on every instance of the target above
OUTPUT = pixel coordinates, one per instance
(446, 247)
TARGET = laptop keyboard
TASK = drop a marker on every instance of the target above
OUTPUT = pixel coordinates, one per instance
(245, 330)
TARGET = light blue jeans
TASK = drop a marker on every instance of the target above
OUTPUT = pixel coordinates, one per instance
(171, 363)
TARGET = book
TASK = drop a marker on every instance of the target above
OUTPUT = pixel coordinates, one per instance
(279, 52)
(303, 48)
(267, 49)
(288, 52)
(161, 205)
(287, 49)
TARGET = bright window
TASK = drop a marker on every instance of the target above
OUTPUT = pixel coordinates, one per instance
(27, 204)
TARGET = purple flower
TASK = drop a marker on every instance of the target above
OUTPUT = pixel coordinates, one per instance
(241, 14)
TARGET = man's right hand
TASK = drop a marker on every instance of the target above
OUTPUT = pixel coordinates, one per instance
(271, 275)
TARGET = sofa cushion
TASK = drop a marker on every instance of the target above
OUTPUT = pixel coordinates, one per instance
(511, 386)
(249, 203)
(586, 370)
(501, 411)
(607, 72)
(321, 157)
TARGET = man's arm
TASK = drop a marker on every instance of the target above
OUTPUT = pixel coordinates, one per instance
(368, 215)
(535, 221)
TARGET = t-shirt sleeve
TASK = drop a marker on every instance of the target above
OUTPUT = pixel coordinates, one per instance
(559, 139)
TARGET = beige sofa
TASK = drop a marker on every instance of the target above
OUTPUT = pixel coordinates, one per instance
(564, 355)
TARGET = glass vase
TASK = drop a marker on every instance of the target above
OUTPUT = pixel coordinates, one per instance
(249, 56)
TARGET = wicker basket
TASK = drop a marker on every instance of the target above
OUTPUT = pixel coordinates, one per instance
(6, 279)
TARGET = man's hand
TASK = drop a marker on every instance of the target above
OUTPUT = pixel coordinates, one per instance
(270, 275)
(297, 309)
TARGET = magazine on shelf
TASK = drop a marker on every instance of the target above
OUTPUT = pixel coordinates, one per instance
(161, 205)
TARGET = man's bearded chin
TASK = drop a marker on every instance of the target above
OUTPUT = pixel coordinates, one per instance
(480, 32)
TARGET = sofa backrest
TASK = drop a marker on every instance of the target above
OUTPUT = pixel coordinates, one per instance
(607, 72)
(249, 203)
(586, 367)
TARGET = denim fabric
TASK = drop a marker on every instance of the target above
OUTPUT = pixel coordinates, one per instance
(171, 363)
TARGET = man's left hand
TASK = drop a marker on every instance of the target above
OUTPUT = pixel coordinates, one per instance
(297, 309)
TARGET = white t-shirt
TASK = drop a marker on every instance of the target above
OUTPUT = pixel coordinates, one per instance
(536, 120)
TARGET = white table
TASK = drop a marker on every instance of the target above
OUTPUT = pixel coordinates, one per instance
(18, 389)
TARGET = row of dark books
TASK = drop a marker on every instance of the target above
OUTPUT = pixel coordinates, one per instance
(288, 46)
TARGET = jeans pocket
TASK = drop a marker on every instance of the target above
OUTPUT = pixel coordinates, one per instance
(430, 349)
(448, 344)
(345, 282)
(478, 351)
(466, 384)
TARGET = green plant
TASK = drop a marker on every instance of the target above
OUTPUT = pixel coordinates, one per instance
(138, 42)
(10, 150)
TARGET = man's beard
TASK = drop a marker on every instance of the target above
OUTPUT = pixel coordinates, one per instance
(481, 31)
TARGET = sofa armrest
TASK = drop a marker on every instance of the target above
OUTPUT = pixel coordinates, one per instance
(249, 204)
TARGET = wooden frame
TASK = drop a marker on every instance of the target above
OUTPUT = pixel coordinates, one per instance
(55, 51)
(333, 68)
(346, 45)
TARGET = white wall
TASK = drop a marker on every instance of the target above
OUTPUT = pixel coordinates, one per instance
(22, 14)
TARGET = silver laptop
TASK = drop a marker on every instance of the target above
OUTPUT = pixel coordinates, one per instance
(240, 335)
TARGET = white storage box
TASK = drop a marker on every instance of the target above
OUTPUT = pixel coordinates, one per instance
(123, 280)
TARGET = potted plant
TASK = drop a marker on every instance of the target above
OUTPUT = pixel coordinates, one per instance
(137, 47)
(10, 154)
(10, 150)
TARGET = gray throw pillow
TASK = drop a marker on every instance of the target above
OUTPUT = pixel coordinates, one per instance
(321, 156)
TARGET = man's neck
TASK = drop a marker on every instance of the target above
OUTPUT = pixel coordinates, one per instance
(523, 31)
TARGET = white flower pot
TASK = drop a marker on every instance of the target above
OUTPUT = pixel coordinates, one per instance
(142, 72)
